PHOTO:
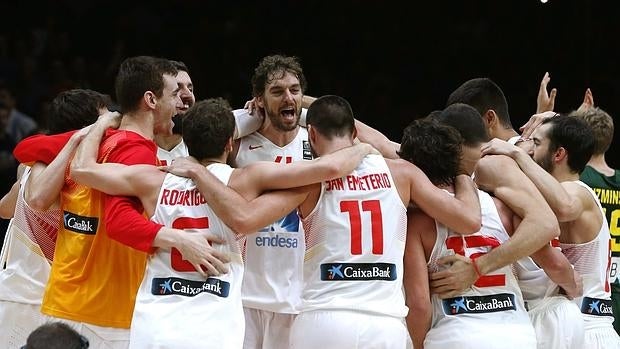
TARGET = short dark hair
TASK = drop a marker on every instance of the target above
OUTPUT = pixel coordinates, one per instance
(275, 67)
(179, 66)
(467, 121)
(602, 125)
(207, 127)
(137, 75)
(575, 136)
(331, 116)
(74, 109)
(435, 148)
(483, 94)
(55, 335)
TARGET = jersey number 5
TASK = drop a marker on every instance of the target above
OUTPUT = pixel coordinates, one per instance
(459, 243)
(352, 207)
(176, 259)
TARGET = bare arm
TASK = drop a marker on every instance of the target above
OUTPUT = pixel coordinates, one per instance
(110, 178)
(270, 175)
(46, 181)
(566, 207)
(239, 214)
(9, 200)
(378, 140)
(501, 175)
(559, 270)
(415, 278)
(460, 213)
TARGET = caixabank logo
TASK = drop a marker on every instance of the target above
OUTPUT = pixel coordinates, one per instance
(80, 224)
(479, 304)
(189, 288)
(358, 271)
(596, 306)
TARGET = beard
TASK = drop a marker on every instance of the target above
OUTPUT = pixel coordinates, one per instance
(546, 163)
(277, 121)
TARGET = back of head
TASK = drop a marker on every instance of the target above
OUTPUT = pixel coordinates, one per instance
(433, 147)
(207, 127)
(179, 66)
(55, 335)
(483, 94)
(331, 116)
(467, 121)
(273, 68)
(138, 75)
(575, 136)
(602, 126)
(74, 109)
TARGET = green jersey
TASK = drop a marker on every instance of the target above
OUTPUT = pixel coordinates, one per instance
(608, 191)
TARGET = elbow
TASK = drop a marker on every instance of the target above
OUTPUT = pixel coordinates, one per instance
(566, 213)
(550, 229)
(5, 213)
(475, 224)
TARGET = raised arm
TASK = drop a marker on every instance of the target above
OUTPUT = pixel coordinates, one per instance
(566, 207)
(501, 176)
(415, 277)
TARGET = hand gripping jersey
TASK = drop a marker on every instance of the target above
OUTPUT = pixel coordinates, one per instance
(491, 314)
(592, 260)
(176, 307)
(274, 255)
(165, 157)
(355, 240)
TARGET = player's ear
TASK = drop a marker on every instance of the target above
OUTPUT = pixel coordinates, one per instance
(229, 145)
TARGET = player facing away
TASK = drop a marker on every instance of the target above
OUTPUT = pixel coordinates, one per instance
(177, 306)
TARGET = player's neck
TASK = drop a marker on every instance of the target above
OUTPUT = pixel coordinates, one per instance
(168, 142)
(505, 133)
(277, 136)
(215, 160)
(565, 175)
(598, 163)
(336, 144)
(138, 122)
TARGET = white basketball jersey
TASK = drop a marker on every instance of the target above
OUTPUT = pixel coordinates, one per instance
(493, 304)
(28, 267)
(355, 241)
(274, 255)
(175, 306)
(166, 157)
(592, 260)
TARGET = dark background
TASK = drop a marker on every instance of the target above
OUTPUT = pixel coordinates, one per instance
(394, 61)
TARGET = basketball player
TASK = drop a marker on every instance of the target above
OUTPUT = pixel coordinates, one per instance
(176, 306)
(31, 238)
(563, 145)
